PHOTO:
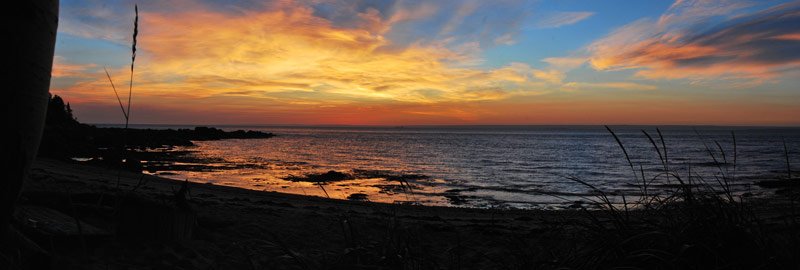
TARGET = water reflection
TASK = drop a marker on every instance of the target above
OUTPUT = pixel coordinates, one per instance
(483, 166)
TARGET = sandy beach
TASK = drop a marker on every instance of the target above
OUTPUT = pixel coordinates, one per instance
(245, 229)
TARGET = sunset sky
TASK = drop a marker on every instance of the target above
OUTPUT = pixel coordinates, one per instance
(434, 62)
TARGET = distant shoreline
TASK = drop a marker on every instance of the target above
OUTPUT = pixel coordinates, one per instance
(445, 126)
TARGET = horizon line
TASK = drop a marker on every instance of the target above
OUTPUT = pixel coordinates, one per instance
(452, 125)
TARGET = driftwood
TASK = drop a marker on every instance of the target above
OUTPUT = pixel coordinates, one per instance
(53, 223)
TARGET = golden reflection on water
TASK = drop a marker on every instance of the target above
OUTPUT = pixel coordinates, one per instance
(275, 176)
(253, 169)
(375, 189)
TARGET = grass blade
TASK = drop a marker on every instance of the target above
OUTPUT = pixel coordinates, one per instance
(655, 146)
(724, 158)
(124, 113)
(133, 60)
(733, 136)
(619, 142)
(786, 155)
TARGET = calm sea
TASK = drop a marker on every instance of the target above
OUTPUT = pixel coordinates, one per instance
(496, 166)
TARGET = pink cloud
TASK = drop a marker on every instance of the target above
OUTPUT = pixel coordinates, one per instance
(758, 46)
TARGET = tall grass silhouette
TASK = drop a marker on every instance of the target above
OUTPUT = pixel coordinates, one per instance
(701, 224)
(126, 111)
(121, 157)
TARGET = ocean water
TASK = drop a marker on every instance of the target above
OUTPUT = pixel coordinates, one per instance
(495, 166)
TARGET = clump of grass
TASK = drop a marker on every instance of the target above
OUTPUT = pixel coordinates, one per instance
(700, 224)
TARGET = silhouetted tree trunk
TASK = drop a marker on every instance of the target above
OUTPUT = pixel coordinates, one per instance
(29, 30)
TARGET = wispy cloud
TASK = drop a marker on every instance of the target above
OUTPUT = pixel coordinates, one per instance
(692, 12)
(565, 63)
(685, 44)
(609, 85)
(560, 19)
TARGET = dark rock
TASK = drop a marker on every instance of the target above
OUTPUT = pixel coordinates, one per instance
(64, 137)
(330, 176)
(358, 197)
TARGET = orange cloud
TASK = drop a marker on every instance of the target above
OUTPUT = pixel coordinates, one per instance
(63, 69)
(565, 63)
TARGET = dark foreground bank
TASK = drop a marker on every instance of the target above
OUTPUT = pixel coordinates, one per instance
(97, 218)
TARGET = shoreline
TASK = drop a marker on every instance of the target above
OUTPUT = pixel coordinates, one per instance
(58, 169)
(238, 228)
(320, 230)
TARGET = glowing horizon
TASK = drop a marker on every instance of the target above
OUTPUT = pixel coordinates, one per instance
(329, 62)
